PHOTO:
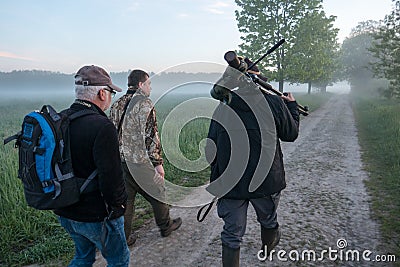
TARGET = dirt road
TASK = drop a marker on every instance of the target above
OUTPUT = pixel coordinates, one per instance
(325, 201)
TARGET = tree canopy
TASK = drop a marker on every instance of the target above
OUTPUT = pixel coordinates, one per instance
(386, 49)
(314, 55)
(263, 23)
(356, 58)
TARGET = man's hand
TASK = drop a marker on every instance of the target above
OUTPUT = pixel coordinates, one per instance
(159, 175)
(160, 170)
(288, 97)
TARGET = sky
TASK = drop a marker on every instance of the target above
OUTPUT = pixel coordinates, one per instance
(120, 35)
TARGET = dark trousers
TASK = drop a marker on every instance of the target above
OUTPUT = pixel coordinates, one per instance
(234, 214)
(143, 174)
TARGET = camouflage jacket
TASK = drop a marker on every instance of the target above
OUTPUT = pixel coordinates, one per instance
(138, 137)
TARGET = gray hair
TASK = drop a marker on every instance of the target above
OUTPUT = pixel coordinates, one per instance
(87, 92)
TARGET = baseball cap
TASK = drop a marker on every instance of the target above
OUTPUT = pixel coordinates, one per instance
(95, 76)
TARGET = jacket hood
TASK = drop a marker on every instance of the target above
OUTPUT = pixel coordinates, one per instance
(246, 99)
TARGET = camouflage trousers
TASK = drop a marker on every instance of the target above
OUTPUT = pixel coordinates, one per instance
(139, 179)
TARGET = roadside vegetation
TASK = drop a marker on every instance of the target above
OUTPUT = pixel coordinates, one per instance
(370, 63)
(378, 122)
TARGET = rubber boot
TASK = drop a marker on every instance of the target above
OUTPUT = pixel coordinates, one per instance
(230, 256)
(270, 237)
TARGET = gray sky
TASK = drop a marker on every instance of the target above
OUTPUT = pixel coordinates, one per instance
(125, 34)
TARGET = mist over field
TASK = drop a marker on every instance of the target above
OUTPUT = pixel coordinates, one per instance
(44, 85)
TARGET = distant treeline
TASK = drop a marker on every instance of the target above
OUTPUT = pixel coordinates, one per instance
(34, 79)
(47, 80)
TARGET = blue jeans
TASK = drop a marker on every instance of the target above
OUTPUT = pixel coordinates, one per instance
(107, 236)
(234, 214)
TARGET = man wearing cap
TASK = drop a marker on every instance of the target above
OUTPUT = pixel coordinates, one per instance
(96, 221)
(142, 164)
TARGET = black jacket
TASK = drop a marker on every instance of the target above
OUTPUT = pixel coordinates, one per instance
(94, 144)
(254, 152)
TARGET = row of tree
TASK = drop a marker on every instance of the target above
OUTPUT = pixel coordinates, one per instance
(311, 54)
(386, 51)
(370, 56)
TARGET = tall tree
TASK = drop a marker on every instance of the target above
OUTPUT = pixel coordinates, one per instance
(355, 55)
(313, 57)
(263, 23)
(386, 48)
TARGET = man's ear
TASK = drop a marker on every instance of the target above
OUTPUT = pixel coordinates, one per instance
(102, 95)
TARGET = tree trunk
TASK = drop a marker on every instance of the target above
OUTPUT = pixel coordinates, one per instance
(281, 86)
(323, 89)
(309, 88)
(281, 68)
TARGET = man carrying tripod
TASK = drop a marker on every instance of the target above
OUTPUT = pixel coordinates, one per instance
(246, 157)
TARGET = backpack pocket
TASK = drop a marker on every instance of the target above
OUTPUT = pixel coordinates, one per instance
(69, 194)
(27, 143)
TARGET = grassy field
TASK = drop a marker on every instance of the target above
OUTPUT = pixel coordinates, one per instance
(30, 236)
(27, 235)
(378, 123)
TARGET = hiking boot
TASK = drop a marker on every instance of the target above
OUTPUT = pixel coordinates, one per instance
(175, 224)
(131, 239)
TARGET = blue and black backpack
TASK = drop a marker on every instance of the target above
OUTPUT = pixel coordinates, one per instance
(45, 165)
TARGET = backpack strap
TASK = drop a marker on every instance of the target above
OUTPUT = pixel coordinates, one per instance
(57, 181)
(13, 137)
(81, 113)
(51, 111)
(90, 178)
(75, 115)
(134, 101)
(59, 175)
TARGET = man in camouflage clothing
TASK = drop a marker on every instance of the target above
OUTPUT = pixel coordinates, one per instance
(142, 164)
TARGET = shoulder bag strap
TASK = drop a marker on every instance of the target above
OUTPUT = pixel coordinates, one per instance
(200, 219)
(134, 100)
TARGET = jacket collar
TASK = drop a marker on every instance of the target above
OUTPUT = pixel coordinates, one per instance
(130, 91)
(140, 92)
(80, 104)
